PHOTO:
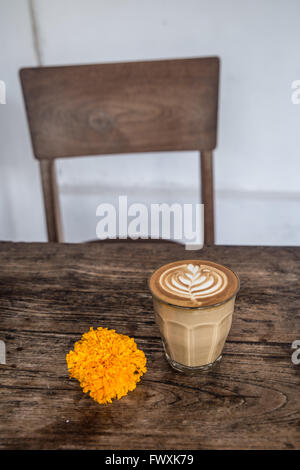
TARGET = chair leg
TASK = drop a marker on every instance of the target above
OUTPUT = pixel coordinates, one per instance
(51, 201)
(207, 190)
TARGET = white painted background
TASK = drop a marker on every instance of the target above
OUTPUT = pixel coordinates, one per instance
(257, 164)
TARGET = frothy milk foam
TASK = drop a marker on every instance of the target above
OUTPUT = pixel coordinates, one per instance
(193, 303)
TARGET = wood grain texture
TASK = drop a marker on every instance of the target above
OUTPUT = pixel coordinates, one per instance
(51, 293)
(207, 195)
(51, 201)
(122, 107)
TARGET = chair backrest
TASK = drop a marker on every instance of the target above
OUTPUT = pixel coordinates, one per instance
(115, 108)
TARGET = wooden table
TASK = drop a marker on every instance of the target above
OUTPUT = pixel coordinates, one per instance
(51, 293)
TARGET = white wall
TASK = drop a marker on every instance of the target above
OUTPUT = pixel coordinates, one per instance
(21, 216)
(257, 161)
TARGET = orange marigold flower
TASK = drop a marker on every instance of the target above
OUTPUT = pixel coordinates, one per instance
(107, 364)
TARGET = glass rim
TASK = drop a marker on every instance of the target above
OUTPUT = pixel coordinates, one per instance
(204, 307)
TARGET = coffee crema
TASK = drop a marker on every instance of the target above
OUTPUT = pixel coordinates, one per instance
(193, 283)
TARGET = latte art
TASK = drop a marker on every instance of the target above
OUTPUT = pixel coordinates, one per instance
(193, 282)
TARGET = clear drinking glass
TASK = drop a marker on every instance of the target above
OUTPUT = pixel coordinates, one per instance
(194, 337)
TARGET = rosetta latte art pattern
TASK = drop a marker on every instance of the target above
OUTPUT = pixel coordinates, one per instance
(193, 282)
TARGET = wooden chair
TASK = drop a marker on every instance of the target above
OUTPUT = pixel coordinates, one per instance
(115, 108)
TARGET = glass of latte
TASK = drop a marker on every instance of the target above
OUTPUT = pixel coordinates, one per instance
(193, 303)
